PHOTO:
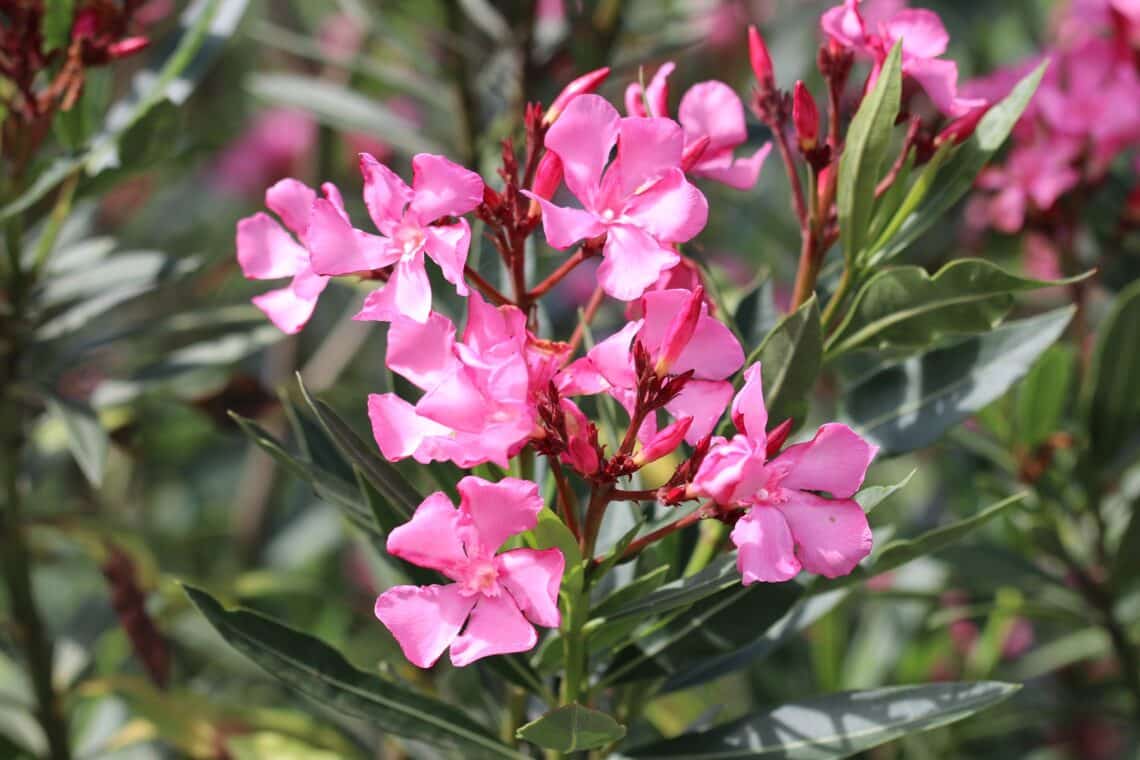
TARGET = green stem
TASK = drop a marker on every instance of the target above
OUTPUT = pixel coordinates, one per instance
(59, 214)
(837, 298)
(712, 532)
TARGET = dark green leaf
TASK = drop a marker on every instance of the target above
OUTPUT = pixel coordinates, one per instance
(789, 362)
(911, 404)
(719, 575)
(861, 164)
(86, 438)
(321, 673)
(1126, 566)
(1043, 395)
(756, 315)
(57, 23)
(907, 308)
(835, 726)
(572, 728)
(1112, 393)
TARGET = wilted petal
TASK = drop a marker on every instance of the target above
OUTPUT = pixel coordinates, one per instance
(766, 552)
(266, 251)
(499, 510)
(583, 137)
(443, 188)
(533, 578)
(835, 461)
(424, 620)
(496, 626)
(431, 538)
(634, 260)
(832, 535)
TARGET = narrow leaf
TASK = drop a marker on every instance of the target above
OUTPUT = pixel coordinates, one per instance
(86, 438)
(1111, 403)
(790, 358)
(57, 23)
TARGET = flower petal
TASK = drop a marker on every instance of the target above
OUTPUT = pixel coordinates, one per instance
(740, 173)
(287, 308)
(497, 626)
(266, 251)
(832, 535)
(291, 200)
(731, 472)
(657, 91)
(497, 511)
(564, 226)
(835, 461)
(921, 31)
(711, 109)
(749, 413)
(583, 137)
(766, 550)
(672, 210)
(385, 194)
(713, 353)
(647, 148)
(337, 248)
(432, 537)
(633, 260)
(422, 353)
(399, 431)
(424, 620)
(448, 246)
(704, 401)
(406, 294)
(443, 188)
(533, 578)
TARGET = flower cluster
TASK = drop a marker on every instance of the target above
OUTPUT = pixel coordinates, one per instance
(497, 392)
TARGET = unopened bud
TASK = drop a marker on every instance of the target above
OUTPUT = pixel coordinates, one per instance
(761, 60)
(664, 443)
(805, 117)
(777, 437)
(86, 24)
(547, 176)
(694, 152)
(962, 128)
(680, 331)
(580, 86)
(127, 47)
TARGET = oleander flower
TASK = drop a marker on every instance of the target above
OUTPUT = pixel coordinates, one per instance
(642, 202)
(496, 599)
(788, 525)
(413, 222)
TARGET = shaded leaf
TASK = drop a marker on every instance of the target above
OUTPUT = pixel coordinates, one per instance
(57, 23)
(720, 574)
(1043, 395)
(789, 359)
(1111, 402)
(86, 438)
(572, 728)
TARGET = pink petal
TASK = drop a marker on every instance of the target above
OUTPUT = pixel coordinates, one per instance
(835, 461)
(431, 538)
(741, 173)
(657, 91)
(286, 308)
(633, 260)
(422, 353)
(647, 148)
(266, 251)
(443, 188)
(497, 511)
(398, 430)
(921, 31)
(406, 294)
(612, 358)
(939, 79)
(766, 550)
(748, 410)
(339, 249)
(489, 326)
(533, 578)
(496, 627)
(456, 403)
(731, 472)
(583, 137)
(672, 210)
(832, 535)
(563, 226)
(424, 620)
(385, 194)
(712, 109)
(704, 401)
(291, 200)
(448, 246)
(713, 353)
(333, 196)
(845, 26)
(634, 102)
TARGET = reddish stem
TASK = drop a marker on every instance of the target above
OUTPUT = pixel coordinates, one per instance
(566, 495)
(542, 288)
(639, 545)
(588, 313)
(484, 287)
(908, 142)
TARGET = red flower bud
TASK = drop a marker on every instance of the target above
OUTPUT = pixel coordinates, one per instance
(693, 153)
(580, 86)
(777, 437)
(86, 24)
(547, 176)
(805, 117)
(127, 47)
(761, 60)
(664, 443)
(961, 128)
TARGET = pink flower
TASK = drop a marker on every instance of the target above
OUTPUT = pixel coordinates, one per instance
(404, 216)
(1033, 177)
(642, 203)
(705, 346)
(924, 40)
(788, 526)
(266, 251)
(478, 403)
(270, 149)
(500, 597)
(709, 109)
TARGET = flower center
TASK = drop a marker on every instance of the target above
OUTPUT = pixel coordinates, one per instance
(410, 239)
(608, 215)
(481, 578)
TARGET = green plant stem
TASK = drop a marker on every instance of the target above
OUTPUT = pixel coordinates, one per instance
(59, 214)
(832, 310)
(708, 543)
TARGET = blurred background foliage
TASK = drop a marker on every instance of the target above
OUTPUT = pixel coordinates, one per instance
(150, 330)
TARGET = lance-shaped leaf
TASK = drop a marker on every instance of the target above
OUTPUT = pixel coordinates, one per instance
(572, 728)
(1112, 399)
(790, 357)
(86, 438)
(321, 673)
(864, 152)
(906, 308)
(1043, 396)
(908, 405)
(835, 726)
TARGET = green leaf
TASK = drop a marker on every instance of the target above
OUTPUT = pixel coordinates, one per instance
(683, 592)
(908, 405)
(907, 308)
(1043, 395)
(944, 183)
(57, 23)
(756, 315)
(789, 359)
(861, 164)
(1111, 401)
(551, 532)
(572, 728)
(835, 726)
(385, 478)
(873, 496)
(320, 672)
(86, 437)
(1126, 564)
(340, 107)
